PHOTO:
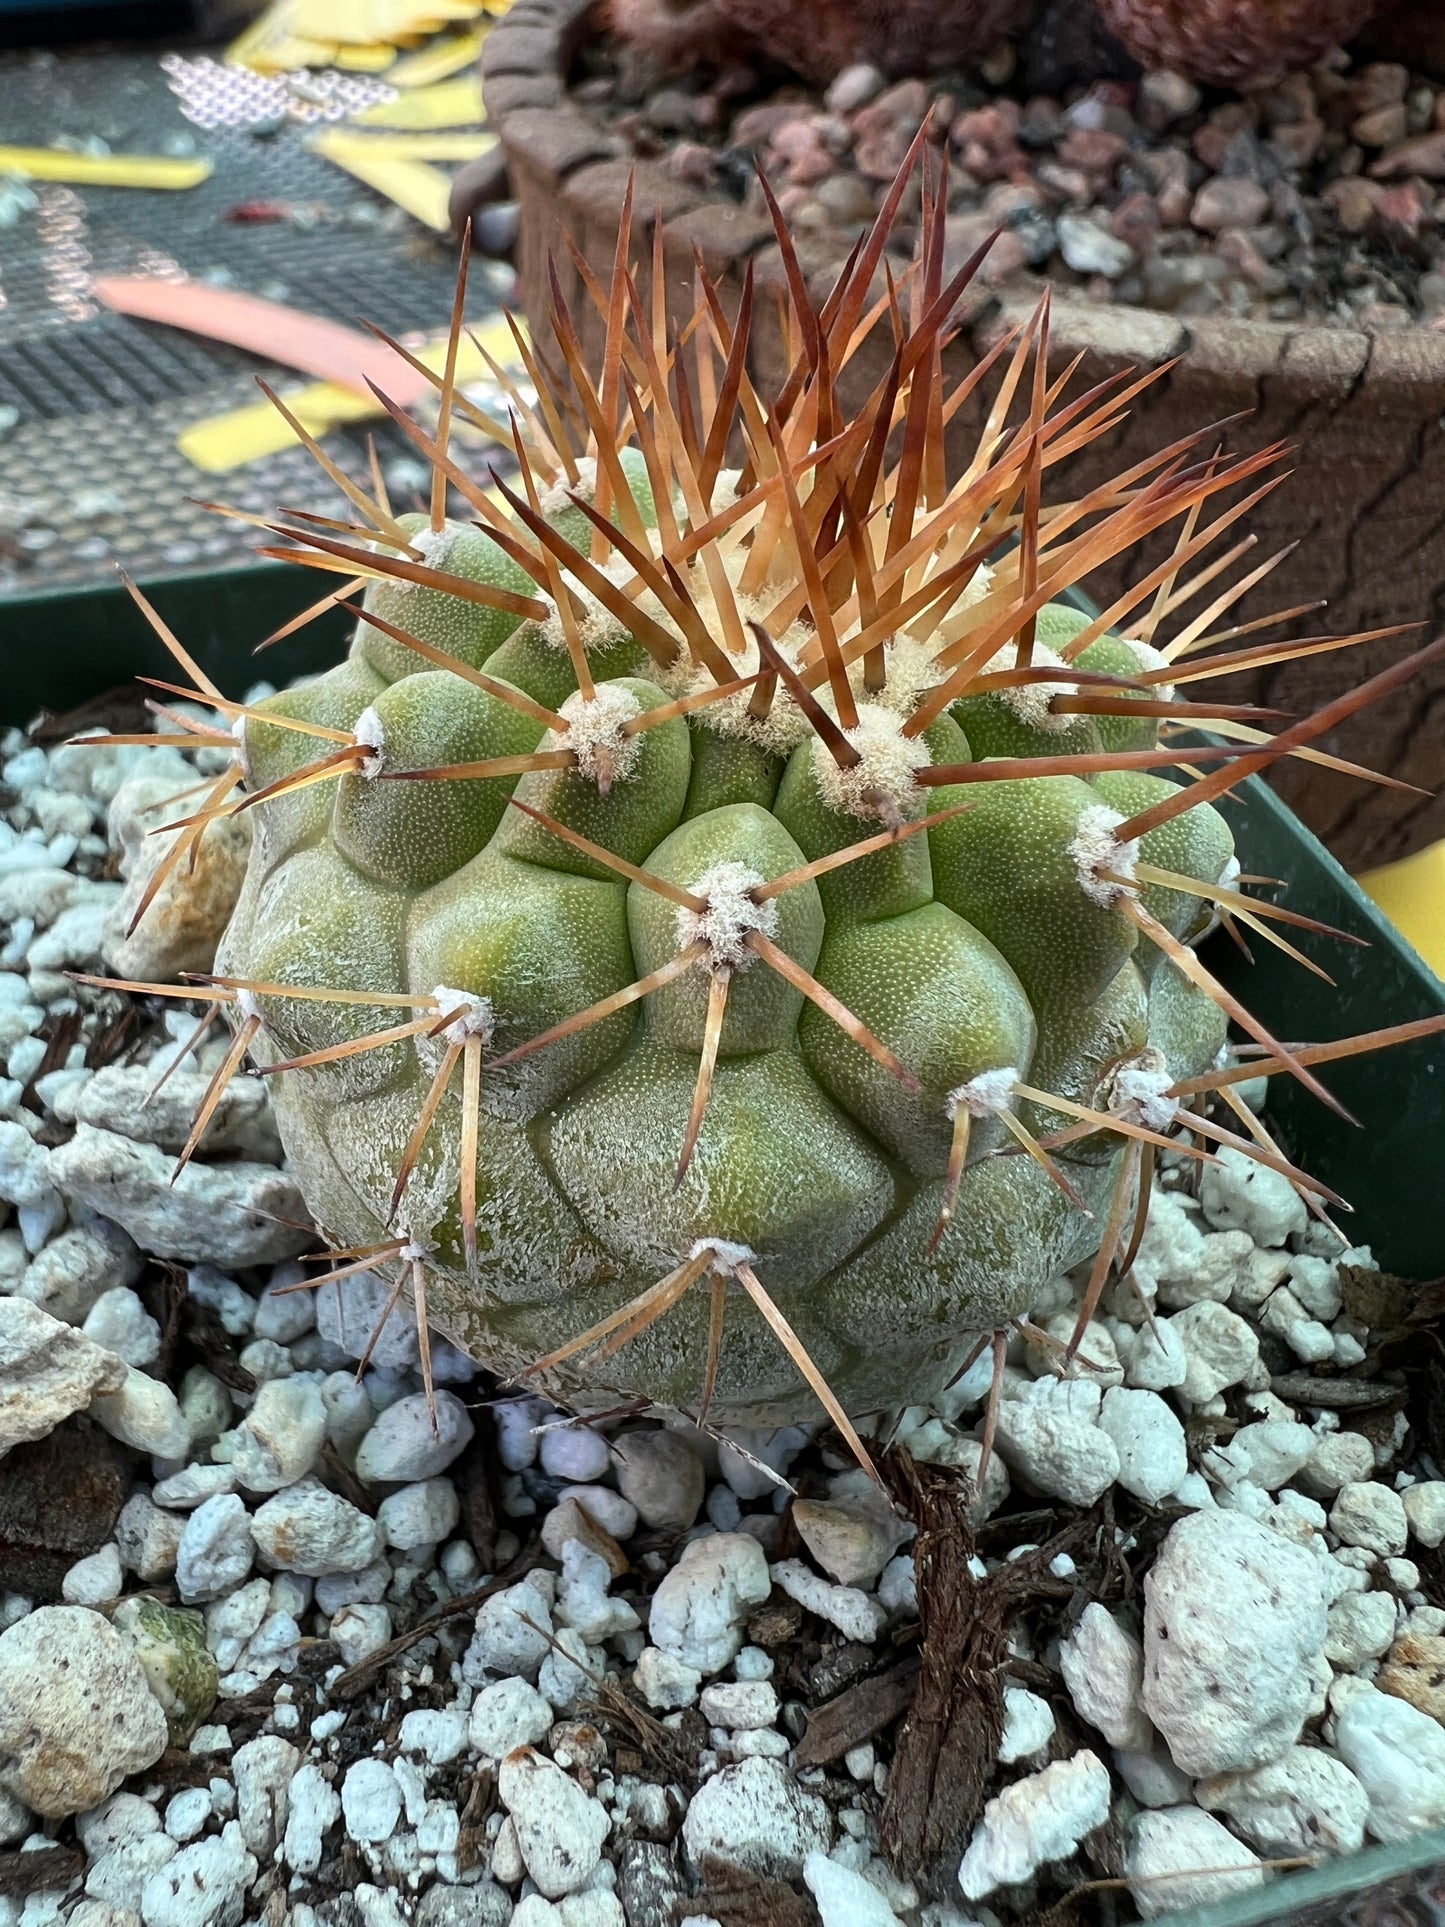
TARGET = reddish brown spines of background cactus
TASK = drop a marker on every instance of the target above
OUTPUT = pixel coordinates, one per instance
(1232, 42)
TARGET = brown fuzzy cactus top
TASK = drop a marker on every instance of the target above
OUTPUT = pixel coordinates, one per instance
(819, 38)
(1234, 42)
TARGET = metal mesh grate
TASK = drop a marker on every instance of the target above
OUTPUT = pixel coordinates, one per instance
(89, 471)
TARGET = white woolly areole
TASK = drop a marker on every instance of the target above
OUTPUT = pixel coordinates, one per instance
(1137, 1091)
(784, 727)
(248, 1005)
(881, 783)
(594, 731)
(473, 1015)
(986, 1095)
(428, 546)
(730, 914)
(1151, 658)
(723, 1255)
(370, 733)
(238, 736)
(415, 1251)
(910, 670)
(1096, 848)
(1030, 701)
(558, 495)
(596, 626)
(724, 490)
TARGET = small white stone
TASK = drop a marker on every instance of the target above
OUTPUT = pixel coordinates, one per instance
(402, 1447)
(560, 1829)
(204, 1886)
(419, 1515)
(370, 1801)
(1234, 1624)
(115, 1823)
(144, 1413)
(280, 1439)
(570, 1671)
(95, 1581)
(187, 1813)
(659, 1473)
(1049, 1434)
(1361, 1626)
(1305, 1800)
(518, 1440)
(583, 1601)
(1239, 1195)
(281, 1312)
(1371, 1515)
(1103, 1667)
(1180, 1841)
(664, 1681)
(315, 1807)
(76, 1711)
(263, 1770)
(854, 1613)
(575, 1452)
(698, 1610)
(1425, 1511)
(740, 1705)
(1398, 1755)
(360, 1630)
(1153, 1778)
(845, 1898)
(308, 1529)
(898, 1588)
(1220, 1347)
(1337, 1459)
(1028, 1725)
(216, 1549)
(616, 1516)
(1149, 1439)
(508, 1714)
(1035, 1820)
(756, 1817)
(512, 1632)
(120, 1323)
(1157, 1360)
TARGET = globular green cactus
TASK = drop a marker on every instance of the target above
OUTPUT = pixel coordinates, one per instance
(722, 938)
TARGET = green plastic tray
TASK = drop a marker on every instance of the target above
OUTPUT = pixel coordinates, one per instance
(59, 651)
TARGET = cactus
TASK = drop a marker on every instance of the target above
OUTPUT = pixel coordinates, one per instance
(1235, 42)
(723, 938)
(819, 40)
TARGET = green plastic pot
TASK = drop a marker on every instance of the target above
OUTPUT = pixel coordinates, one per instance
(60, 651)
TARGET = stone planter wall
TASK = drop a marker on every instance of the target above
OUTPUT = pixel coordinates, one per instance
(1365, 414)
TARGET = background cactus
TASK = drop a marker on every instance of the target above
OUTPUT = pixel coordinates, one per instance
(721, 939)
(1234, 41)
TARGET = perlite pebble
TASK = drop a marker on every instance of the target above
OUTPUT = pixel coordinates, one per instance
(574, 1452)
(1102, 1663)
(76, 1711)
(855, 1613)
(1028, 1725)
(507, 1714)
(144, 1413)
(404, 1446)
(1035, 1820)
(216, 1549)
(698, 1610)
(1192, 1846)
(844, 1898)
(755, 1817)
(419, 1515)
(315, 1807)
(311, 1530)
(1149, 1439)
(1398, 1755)
(1048, 1432)
(1219, 1346)
(204, 1886)
(560, 1829)
(1303, 1801)
(1425, 1511)
(1371, 1515)
(1234, 1623)
(512, 1632)
(1238, 1194)
(280, 1438)
(370, 1801)
(739, 1705)
(95, 1581)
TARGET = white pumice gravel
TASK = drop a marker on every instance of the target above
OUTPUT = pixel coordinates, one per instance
(1269, 1688)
